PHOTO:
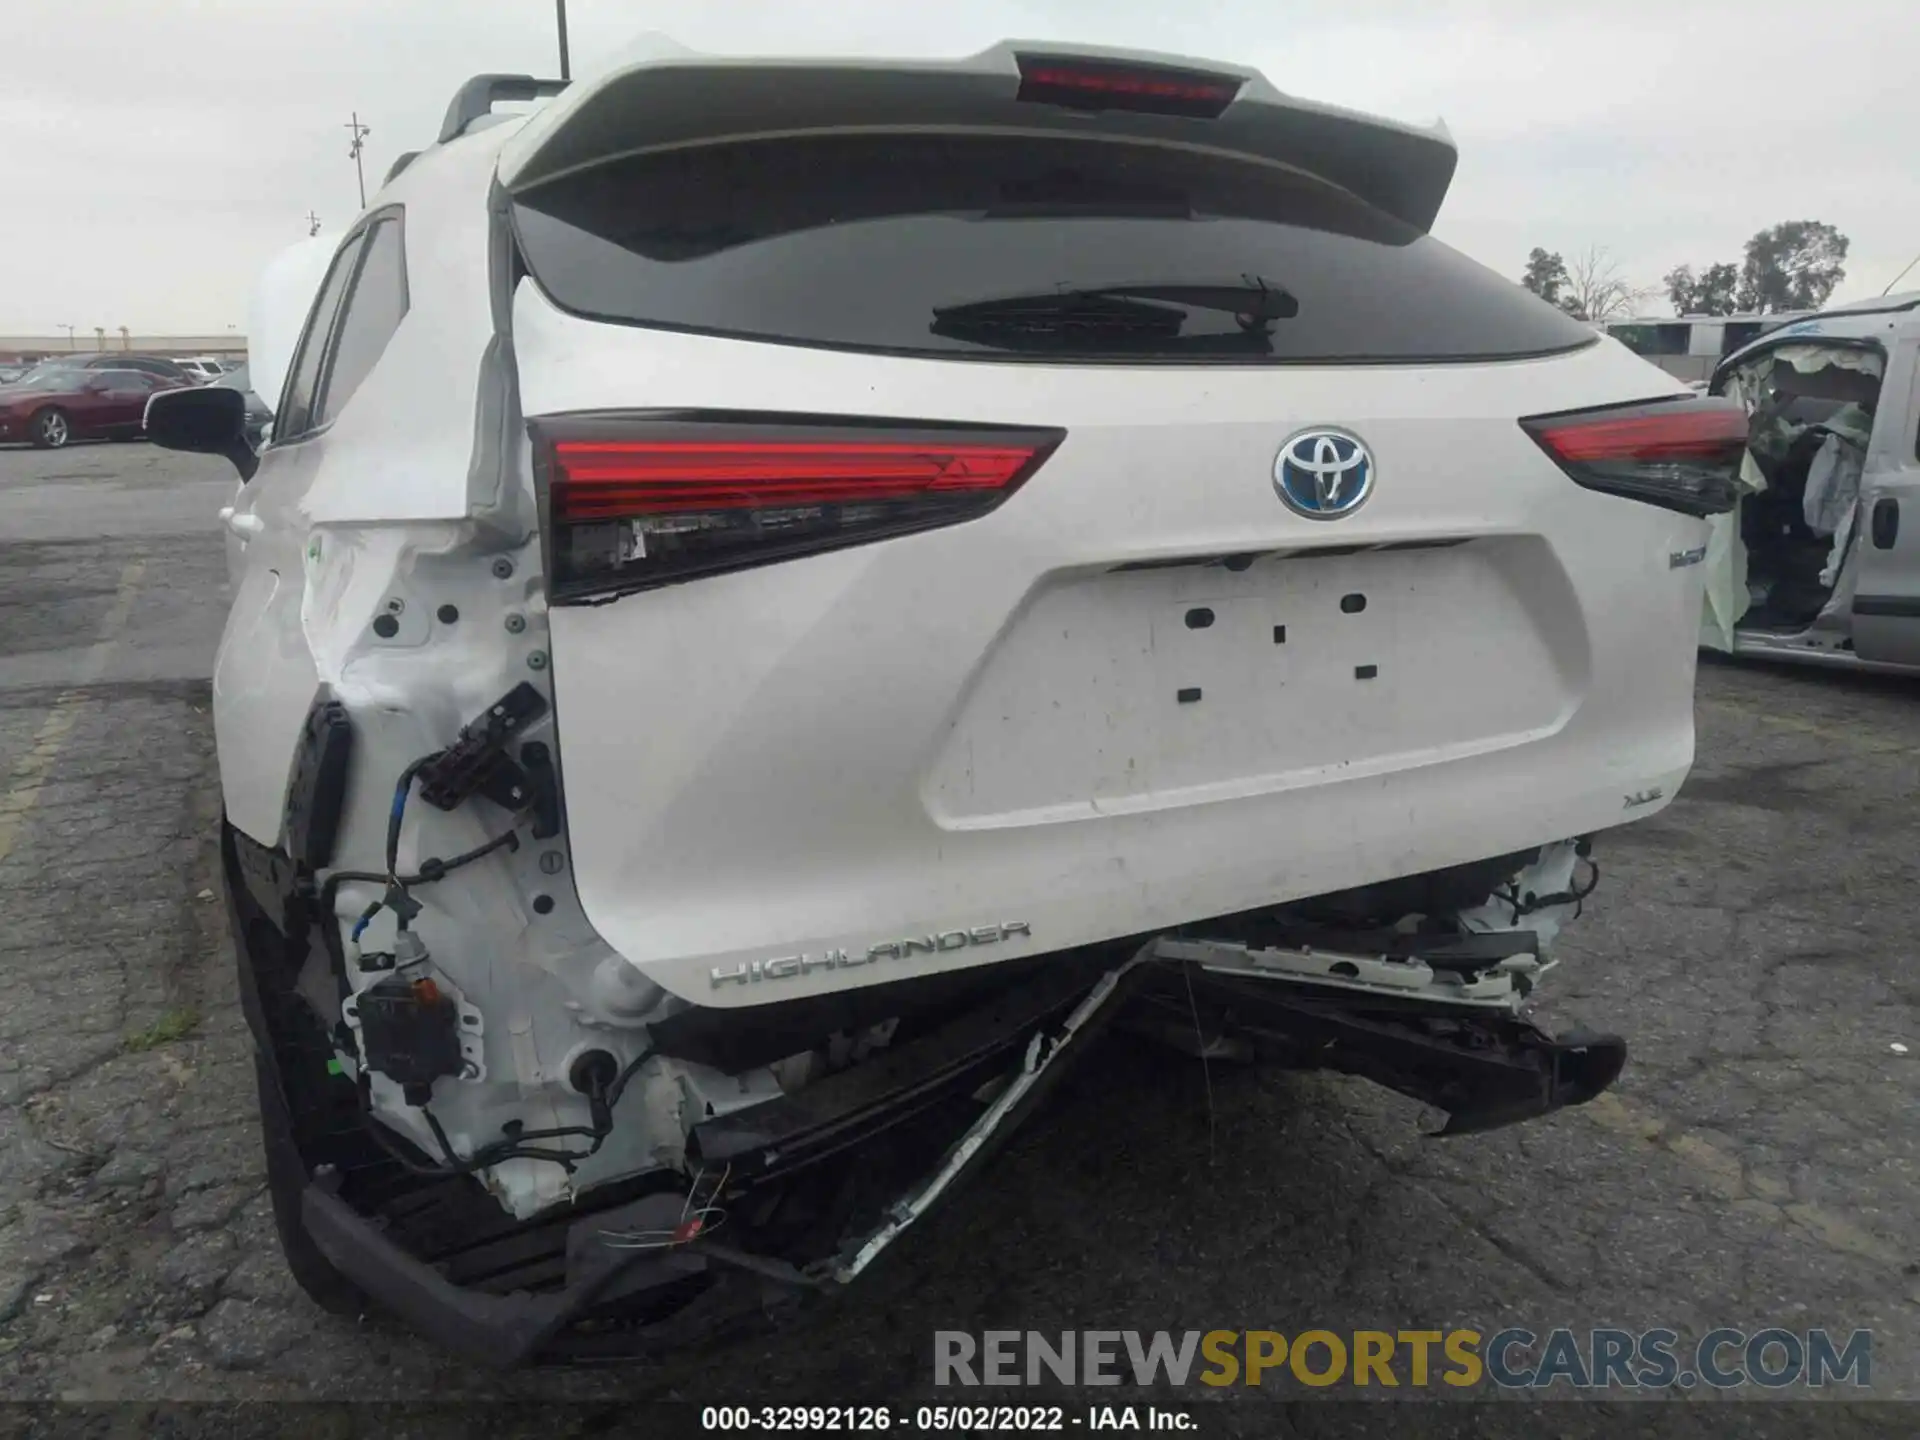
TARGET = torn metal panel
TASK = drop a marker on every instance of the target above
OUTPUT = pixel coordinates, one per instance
(1812, 356)
(1043, 1053)
(1503, 986)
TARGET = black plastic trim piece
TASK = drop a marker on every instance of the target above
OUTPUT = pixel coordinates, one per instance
(317, 784)
(1886, 522)
(1888, 607)
(543, 788)
(476, 762)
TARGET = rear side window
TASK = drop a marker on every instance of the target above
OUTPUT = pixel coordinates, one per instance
(295, 414)
(375, 307)
(1017, 247)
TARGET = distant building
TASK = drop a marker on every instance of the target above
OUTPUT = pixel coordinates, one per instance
(1689, 346)
(40, 347)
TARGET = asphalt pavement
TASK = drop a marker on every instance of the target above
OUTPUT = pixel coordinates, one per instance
(1756, 1165)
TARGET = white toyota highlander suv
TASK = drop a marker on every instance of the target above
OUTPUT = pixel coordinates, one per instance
(783, 595)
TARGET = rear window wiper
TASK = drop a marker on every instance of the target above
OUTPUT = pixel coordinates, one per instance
(1126, 318)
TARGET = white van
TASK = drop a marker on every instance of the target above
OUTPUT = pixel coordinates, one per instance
(1820, 560)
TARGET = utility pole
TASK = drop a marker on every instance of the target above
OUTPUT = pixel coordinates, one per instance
(560, 14)
(1901, 276)
(69, 329)
(313, 223)
(360, 133)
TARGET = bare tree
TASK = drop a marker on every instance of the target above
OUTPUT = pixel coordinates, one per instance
(1597, 292)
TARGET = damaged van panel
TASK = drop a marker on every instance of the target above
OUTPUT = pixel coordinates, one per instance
(1785, 560)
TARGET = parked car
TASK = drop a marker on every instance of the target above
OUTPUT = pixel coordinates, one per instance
(155, 365)
(1820, 561)
(259, 415)
(53, 407)
(11, 373)
(772, 612)
(207, 367)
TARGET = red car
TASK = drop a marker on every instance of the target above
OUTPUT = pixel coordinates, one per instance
(51, 408)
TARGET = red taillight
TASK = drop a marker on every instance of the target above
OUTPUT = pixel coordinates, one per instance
(634, 503)
(1104, 85)
(1683, 454)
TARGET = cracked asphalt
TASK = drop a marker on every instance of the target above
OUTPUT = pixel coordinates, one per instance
(1756, 1165)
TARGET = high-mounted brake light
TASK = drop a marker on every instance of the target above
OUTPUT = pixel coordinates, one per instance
(1082, 84)
(1681, 454)
(633, 501)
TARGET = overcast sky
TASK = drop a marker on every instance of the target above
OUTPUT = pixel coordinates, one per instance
(155, 153)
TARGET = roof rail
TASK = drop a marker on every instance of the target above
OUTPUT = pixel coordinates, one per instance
(480, 94)
(399, 165)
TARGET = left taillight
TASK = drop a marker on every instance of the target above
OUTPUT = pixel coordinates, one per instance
(1681, 454)
(632, 502)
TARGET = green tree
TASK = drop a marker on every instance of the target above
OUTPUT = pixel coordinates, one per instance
(1711, 292)
(1792, 266)
(1545, 275)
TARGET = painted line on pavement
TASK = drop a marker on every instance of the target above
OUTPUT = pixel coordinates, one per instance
(31, 772)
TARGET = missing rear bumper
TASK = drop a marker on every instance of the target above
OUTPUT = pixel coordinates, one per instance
(1485, 1067)
(615, 1292)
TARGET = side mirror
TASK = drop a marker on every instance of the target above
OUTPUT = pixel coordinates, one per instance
(203, 420)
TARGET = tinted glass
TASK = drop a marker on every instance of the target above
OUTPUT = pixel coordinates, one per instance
(55, 379)
(303, 375)
(964, 245)
(374, 311)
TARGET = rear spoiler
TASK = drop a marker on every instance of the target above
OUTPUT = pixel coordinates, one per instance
(675, 97)
(479, 95)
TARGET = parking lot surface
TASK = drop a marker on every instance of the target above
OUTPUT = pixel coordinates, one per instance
(1756, 1166)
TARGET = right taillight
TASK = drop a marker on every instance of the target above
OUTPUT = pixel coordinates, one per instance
(1681, 454)
(636, 501)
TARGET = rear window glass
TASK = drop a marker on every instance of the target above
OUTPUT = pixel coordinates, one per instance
(1016, 247)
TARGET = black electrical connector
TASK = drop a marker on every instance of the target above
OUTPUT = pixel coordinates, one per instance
(412, 1033)
(477, 762)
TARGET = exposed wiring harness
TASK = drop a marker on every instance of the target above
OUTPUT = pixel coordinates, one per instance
(1524, 905)
(397, 898)
(514, 1144)
(699, 1217)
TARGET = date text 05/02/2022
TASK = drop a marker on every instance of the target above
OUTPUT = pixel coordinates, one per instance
(930, 1419)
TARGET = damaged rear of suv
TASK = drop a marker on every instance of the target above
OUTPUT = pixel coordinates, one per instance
(785, 596)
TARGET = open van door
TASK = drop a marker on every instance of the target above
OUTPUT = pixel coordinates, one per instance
(1886, 606)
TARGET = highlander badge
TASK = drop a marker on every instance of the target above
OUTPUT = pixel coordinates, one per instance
(786, 967)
